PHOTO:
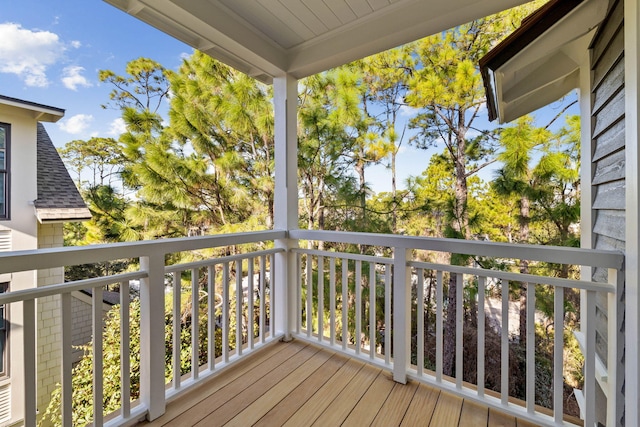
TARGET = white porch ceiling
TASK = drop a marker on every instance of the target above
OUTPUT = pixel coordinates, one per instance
(266, 38)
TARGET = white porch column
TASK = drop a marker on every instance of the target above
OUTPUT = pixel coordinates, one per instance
(285, 95)
(632, 249)
(152, 335)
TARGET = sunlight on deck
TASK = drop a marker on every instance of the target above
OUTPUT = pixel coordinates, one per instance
(298, 384)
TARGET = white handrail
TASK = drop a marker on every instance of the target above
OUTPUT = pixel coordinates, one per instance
(11, 262)
(555, 254)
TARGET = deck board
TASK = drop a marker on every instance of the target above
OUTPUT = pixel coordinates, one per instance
(447, 412)
(348, 398)
(233, 406)
(498, 419)
(303, 384)
(421, 407)
(367, 408)
(394, 408)
(313, 407)
(263, 403)
(270, 355)
(288, 406)
(473, 414)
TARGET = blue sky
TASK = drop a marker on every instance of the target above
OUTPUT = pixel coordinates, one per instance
(51, 52)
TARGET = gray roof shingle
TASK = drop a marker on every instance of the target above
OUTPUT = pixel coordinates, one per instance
(58, 198)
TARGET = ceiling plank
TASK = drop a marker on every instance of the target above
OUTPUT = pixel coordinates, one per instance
(342, 10)
(323, 13)
(360, 7)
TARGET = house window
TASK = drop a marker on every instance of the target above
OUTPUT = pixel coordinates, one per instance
(5, 140)
(3, 332)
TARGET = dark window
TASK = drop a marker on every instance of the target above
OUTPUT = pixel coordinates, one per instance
(5, 141)
(3, 332)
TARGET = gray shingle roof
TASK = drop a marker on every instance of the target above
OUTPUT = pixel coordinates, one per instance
(58, 198)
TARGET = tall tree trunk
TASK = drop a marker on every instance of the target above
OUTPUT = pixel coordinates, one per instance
(460, 225)
(321, 219)
(394, 213)
(359, 167)
(524, 266)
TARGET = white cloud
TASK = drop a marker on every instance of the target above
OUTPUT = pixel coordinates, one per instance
(72, 77)
(28, 53)
(77, 124)
(76, 44)
(117, 127)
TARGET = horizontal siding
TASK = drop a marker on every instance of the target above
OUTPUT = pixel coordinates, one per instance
(609, 115)
(601, 331)
(610, 224)
(608, 152)
(610, 168)
(610, 196)
(610, 243)
(608, 32)
(613, 83)
(611, 55)
(609, 141)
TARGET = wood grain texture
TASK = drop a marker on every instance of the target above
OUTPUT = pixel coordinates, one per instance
(395, 407)
(473, 414)
(288, 406)
(447, 412)
(369, 404)
(498, 419)
(263, 404)
(610, 27)
(348, 398)
(271, 355)
(610, 140)
(421, 407)
(302, 384)
(312, 409)
(229, 398)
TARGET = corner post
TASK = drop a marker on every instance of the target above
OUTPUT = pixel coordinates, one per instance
(632, 200)
(401, 313)
(152, 335)
(285, 95)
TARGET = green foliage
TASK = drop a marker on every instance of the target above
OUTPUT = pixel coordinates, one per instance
(82, 373)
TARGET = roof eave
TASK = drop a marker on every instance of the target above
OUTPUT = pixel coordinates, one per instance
(41, 112)
(526, 39)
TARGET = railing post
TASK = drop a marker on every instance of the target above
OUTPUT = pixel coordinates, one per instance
(152, 348)
(401, 313)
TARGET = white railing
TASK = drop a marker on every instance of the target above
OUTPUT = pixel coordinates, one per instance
(379, 316)
(236, 289)
(388, 283)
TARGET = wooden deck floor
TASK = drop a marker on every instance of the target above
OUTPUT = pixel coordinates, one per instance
(297, 384)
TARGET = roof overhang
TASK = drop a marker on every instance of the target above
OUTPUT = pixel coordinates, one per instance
(265, 39)
(540, 62)
(59, 215)
(40, 112)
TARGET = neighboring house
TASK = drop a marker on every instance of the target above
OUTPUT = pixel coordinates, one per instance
(81, 307)
(37, 196)
(567, 45)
